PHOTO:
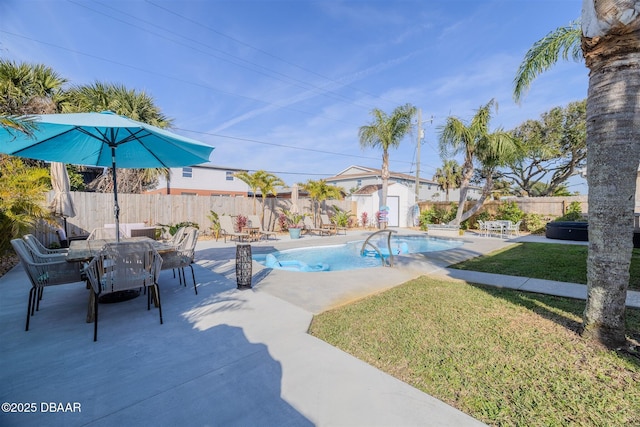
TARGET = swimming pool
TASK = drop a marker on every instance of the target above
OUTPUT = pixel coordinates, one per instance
(347, 256)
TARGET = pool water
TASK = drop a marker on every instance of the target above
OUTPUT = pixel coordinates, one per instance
(347, 256)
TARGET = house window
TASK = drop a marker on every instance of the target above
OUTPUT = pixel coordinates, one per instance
(229, 176)
(187, 172)
(359, 183)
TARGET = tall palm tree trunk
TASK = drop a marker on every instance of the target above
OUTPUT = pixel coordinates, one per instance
(613, 141)
(385, 177)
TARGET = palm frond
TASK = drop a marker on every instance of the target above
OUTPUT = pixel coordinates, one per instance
(544, 54)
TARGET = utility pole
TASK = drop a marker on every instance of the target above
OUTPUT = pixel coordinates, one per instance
(420, 136)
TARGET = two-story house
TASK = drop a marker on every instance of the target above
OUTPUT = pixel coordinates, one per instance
(202, 180)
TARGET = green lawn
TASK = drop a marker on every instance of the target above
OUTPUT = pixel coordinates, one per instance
(502, 356)
(566, 263)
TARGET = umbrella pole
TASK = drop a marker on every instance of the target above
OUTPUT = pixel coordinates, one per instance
(116, 208)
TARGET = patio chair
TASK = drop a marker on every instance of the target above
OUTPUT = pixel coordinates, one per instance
(254, 221)
(34, 243)
(228, 230)
(124, 266)
(43, 274)
(105, 233)
(309, 227)
(40, 253)
(177, 237)
(327, 223)
(482, 227)
(513, 230)
(183, 257)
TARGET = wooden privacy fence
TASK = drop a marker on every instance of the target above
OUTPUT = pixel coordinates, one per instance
(96, 209)
(551, 207)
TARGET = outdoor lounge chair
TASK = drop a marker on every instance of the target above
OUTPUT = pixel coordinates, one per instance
(327, 223)
(183, 256)
(254, 221)
(228, 230)
(124, 266)
(42, 274)
(310, 228)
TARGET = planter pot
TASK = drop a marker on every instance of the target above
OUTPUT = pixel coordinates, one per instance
(294, 233)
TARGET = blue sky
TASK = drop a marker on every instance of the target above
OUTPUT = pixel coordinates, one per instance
(284, 85)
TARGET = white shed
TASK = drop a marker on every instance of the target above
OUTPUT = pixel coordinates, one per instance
(400, 200)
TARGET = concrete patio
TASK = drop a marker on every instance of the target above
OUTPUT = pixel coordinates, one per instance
(224, 357)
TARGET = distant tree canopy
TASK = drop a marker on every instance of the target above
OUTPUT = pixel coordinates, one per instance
(553, 149)
(37, 89)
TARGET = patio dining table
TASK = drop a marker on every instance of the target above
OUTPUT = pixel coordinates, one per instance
(500, 226)
(86, 250)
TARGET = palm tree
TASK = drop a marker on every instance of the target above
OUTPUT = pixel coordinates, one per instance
(251, 181)
(448, 177)
(22, 198)
(319, 191)
(136, 105)
(386, 132)
(544, 54)
(610, 41)
(29, 88)
(476, 143)
(267, 183)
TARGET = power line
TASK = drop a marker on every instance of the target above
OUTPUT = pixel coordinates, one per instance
(213, 30)
(291, 80)
(273, 144)
(166, 76)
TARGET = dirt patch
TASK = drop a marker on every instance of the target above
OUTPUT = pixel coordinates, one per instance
(7, 262)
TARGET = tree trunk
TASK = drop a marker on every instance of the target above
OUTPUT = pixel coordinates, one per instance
(385, 177)
(613, 152)
(486, 192)
(464, 188)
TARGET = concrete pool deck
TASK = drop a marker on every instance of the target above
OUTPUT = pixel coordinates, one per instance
(222, 357)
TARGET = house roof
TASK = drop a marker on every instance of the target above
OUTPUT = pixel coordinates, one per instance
(370, 189)
(367, 172)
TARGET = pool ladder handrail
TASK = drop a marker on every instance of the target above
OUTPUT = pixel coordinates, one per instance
(367, 242)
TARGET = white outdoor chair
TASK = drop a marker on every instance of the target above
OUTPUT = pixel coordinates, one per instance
(124, 266)
(34, 243)
(183, 256)
(514, 229)
(482, 227)
(43, 274)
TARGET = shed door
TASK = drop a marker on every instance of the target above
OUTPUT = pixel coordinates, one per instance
(394, 211)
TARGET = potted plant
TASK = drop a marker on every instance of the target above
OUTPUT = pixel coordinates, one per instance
(215, 223)
(294, 223)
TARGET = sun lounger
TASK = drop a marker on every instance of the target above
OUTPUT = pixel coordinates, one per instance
(310, 228)
(228, 230)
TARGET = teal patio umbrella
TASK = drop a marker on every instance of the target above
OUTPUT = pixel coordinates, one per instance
(103, 139)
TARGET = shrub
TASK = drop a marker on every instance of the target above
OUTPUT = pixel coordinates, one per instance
(241, 222)
(534, 223)
(573, 213)
(283, 223)
(437, 215)
(172, 228)
(364, 218)
(341, 217)
(509, 211)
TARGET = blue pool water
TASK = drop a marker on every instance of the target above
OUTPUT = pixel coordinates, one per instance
(347, 256)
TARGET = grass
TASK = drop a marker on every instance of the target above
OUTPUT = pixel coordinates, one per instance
(565, 263)
(502, 356)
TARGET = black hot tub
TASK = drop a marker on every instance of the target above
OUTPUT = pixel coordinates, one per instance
(568, 230)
